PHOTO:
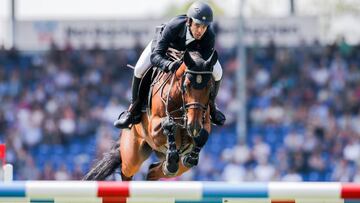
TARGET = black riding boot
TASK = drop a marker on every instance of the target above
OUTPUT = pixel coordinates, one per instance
(133, 114)
(216, 116)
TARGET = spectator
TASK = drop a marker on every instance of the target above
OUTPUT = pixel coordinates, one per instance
(302, 112)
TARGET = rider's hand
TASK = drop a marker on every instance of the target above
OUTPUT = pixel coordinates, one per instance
(173, 66)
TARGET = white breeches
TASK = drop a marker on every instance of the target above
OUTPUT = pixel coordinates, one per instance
(144, 63)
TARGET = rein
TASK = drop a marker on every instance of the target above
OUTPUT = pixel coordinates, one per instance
(181, 109)
(198, 72)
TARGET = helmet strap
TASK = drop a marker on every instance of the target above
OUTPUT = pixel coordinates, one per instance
(189, 21)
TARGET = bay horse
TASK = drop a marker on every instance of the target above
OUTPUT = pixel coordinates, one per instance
(176, 125)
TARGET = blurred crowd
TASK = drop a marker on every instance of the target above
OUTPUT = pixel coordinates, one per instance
(303, 113)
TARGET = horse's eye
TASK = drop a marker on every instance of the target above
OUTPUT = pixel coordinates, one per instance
(184, 86)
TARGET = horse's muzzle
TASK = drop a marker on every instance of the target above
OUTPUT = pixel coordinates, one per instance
(193, 129)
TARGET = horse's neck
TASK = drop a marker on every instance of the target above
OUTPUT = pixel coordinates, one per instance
(169, 84)
(180, 71)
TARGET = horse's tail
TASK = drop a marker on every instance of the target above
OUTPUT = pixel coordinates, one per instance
(106, 166)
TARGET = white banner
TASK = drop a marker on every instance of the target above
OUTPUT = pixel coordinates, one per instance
(346, 25)
(108, 34)
(3, 32)
(284, 31)
(37, 35)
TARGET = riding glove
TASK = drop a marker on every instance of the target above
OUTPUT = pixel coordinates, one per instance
(173, 66)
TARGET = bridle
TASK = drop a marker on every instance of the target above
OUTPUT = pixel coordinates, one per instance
(193, 105)
(185, 106)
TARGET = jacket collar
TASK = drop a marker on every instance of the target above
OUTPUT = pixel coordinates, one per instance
(189, 37)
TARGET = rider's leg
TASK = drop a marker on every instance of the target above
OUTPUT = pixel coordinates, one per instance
(217, 117)
(133, 113)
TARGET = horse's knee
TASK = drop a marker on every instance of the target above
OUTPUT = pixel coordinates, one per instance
(158, 139)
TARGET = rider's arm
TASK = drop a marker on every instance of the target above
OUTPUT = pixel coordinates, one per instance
(158, 56)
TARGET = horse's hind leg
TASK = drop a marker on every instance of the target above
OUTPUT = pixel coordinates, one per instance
(155, 171)
(134, 151)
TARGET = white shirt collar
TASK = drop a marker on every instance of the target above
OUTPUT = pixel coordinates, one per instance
(189, 37)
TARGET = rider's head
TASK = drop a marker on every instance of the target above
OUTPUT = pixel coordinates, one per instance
(200, 17)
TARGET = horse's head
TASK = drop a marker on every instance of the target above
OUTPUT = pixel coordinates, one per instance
(197, 82)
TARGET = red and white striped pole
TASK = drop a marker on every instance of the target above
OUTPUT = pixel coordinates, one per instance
(7, 168)
(3, 154)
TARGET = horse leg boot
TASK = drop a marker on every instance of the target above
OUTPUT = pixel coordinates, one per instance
(133, 114)
(191, 159)
(171, 164)
(216, 116)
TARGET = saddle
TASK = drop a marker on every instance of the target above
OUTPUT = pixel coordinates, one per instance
(151, 76)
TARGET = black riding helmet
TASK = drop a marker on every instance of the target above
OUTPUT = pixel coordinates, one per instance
(200, 13)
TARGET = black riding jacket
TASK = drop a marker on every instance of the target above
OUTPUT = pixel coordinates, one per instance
(174, 36)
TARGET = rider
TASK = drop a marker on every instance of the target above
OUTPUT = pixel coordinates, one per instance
(190, 31)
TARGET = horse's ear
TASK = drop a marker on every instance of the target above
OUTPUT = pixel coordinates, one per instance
(189, 62)
(212, 59)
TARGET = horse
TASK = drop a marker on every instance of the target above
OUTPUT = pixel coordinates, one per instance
(175, 126)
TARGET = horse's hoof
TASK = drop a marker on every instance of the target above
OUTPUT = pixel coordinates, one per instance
(153, 168)
(171, 165)
(153, 165)
(189, 161)
(166, 171)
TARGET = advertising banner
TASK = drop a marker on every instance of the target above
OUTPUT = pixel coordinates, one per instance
(37, 35)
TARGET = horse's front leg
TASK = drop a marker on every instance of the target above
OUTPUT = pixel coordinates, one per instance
(191, 159)
(171, 164)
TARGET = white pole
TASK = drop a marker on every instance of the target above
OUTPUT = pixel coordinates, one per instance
(8, 172)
